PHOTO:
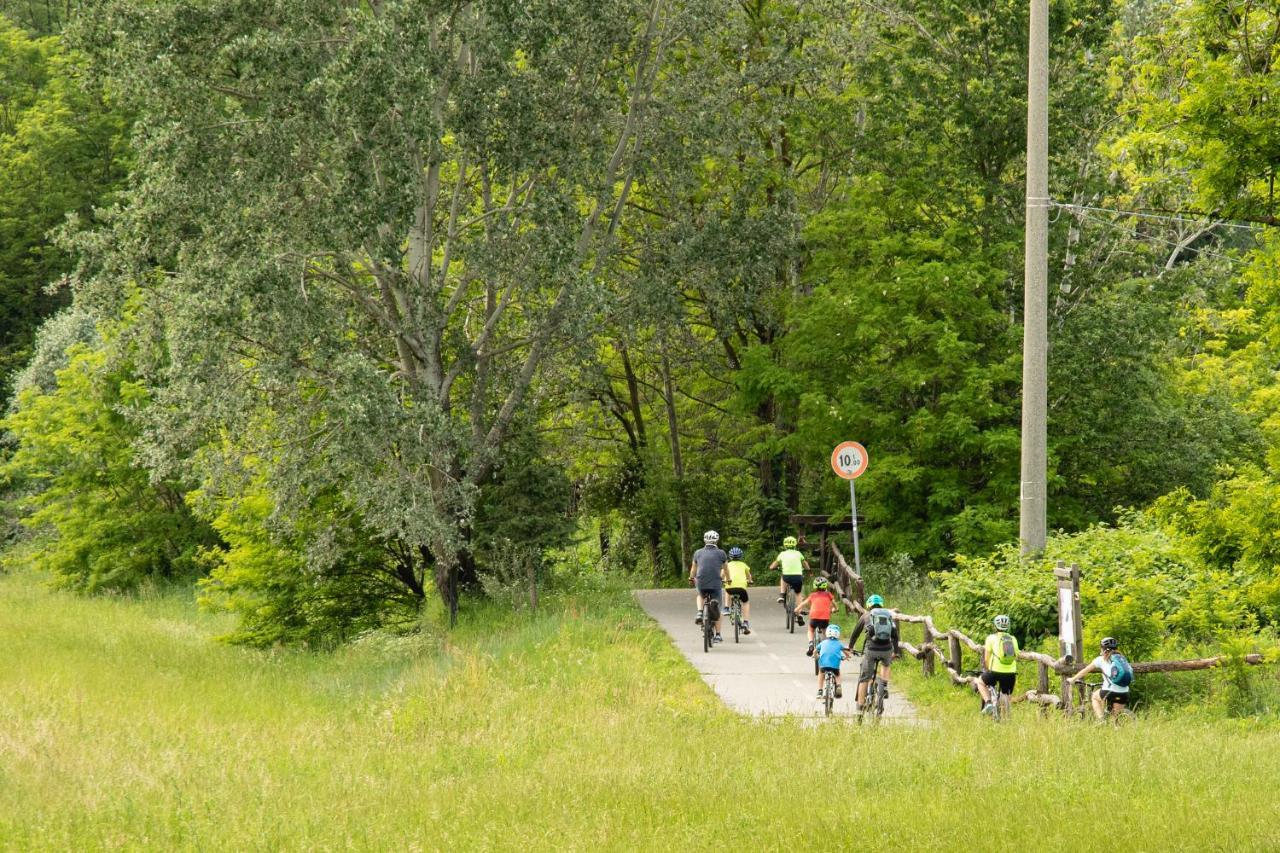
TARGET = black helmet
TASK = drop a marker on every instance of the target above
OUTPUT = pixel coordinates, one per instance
(1109, 644)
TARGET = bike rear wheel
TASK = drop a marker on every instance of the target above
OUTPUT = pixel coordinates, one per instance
(790, 605)
(829, 694)
(708, 630)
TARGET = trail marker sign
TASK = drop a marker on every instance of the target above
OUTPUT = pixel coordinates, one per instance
(849, 460)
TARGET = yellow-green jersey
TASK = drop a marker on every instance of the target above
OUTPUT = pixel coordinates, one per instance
(1002, 652)
(792, 562)
(738, 572)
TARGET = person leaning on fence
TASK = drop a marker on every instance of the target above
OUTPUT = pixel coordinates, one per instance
(999, 664)
(881, 645)
(1117, 675)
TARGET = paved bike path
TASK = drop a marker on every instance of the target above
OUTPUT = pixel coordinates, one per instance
(767, 672)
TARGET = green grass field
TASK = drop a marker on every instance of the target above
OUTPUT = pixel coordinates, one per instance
(123, 726)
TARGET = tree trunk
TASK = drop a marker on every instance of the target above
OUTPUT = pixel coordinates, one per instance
(677, 462)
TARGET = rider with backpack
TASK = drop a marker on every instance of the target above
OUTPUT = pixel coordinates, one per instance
(1117, 675)
(999, 664)
(881, 646)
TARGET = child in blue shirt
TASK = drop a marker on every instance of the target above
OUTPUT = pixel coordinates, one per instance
(830, 653)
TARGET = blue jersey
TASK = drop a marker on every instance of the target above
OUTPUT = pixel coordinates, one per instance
(830, 653)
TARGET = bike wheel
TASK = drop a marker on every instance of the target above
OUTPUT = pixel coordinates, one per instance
(737, 625)
(791, 611)
(828, 698)
(707, 632)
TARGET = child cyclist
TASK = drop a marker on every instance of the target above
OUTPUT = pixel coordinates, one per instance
(794, 566)
(739, 578)
(820, 603)
(830, 654)
(999, 664)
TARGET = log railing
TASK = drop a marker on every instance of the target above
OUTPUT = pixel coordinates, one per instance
(947, 647)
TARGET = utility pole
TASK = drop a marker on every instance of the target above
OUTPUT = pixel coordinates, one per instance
(1035, 330)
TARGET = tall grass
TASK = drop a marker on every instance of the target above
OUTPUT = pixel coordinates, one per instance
(123, 727)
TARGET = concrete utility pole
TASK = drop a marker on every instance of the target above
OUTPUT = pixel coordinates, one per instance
(1035, 330)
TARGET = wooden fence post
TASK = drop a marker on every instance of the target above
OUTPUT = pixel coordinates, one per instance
(957, 655)
(926, 662)
(1042, 671)
(1067, 695)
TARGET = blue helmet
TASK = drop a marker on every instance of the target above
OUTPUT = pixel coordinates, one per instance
(833, 632)
(875, 601)
(735, 552)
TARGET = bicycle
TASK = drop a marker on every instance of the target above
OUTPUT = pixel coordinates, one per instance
(873, 702)
(1119, 716)
(1000, 701)
(708, 623)
(735, 615)
(828, 692)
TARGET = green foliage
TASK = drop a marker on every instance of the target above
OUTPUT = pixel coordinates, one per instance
(904, 343)
(61, 152)
(1139, 583)
(316, 581)
(100, 521)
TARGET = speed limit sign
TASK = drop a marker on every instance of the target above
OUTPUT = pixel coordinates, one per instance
(849, 460)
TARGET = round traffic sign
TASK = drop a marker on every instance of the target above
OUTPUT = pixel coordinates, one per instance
(849, 460)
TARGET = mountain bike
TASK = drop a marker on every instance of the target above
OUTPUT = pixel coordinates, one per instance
(1000, 701)
(828, 692)
(873, 702)
(735, 615)
(709, 615)
(1117, 718)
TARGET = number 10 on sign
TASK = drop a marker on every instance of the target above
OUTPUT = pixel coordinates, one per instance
(849, 460)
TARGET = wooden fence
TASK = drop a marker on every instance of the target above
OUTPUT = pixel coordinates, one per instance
(947, 647)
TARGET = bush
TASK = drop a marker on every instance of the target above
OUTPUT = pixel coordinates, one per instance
(1140, 583)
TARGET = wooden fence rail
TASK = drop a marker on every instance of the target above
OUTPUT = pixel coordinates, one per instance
(947, 647)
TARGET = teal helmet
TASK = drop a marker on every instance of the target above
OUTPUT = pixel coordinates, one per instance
(875, 601)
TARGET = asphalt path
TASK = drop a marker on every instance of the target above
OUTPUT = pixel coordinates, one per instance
(767, 672)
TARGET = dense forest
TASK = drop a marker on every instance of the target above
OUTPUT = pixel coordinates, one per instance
(348, 311)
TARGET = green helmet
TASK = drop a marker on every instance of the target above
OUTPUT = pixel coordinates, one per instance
(820, 583)
(875, 601)
(789, 542)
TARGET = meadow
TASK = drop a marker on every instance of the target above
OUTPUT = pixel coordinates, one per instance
(124, 726)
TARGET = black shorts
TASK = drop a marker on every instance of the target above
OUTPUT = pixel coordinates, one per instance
(796, 582)
(1112, 697)
(818, 625)
(740, 592)
(834, 669)
(1004, 679)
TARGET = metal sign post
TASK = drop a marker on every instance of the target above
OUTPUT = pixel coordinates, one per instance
(849, 460)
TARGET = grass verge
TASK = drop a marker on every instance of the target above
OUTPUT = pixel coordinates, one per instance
(123, 727)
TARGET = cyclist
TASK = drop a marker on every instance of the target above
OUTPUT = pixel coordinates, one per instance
(1106, 698)
(999, 664)
(739, 578)
(830, 654)
(794, 566)
(820, 603)
(881, 645)
(707, 574)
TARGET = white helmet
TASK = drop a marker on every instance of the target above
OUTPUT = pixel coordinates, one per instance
(1002, 622)
(833, 632)
(710, 537)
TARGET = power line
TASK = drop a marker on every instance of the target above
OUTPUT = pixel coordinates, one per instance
(1162, 217)
(1229, 259)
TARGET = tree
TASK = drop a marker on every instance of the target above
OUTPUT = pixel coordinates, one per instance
(61, 152)
(377, 222)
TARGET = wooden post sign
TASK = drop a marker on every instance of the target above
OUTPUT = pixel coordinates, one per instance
(1070, 631)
